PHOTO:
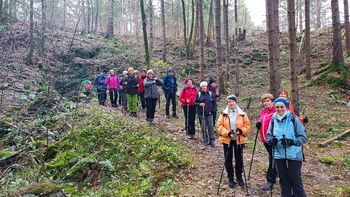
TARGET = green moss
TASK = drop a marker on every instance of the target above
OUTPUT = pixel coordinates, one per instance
(5, 153)
(329, 160)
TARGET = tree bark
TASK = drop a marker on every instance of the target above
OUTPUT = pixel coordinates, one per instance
(163, 30)
(97, 14)
(189, 53)
(184, 22)
(43, 28)
(109, 32)
(151, 25)
(144, 28)
(292, 55)
(88, 16)
(84, 17)
(227, 40)
(201, 39)
(31, 34)
(337, 42)
(136, 20)
(318, 13)
(236, 19)
(1, 4)
(210, 23)
(195, 28)
(347, 27)
(218, 45)
(307, 40)
(300, 14)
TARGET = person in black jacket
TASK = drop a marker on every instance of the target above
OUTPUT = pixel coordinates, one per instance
(205, 106)
(151, 95)
(132, 84)
(170, 88)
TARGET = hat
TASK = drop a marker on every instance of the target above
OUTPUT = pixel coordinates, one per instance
(203, 83)
(187, 79)
(150, 71)
(281, 91)
(281, 100)
(125, 72)
(232, 98)
(211, 80)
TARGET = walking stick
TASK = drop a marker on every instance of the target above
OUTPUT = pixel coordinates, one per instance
(223, 167)
(251, 161)
(285, 150)
(187, 118)
(245, 178)
(273, 165)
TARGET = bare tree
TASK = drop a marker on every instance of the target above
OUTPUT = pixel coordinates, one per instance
(189, 53)
(150, 2)
(307, 40)
(218, 45)
(97, 14)
(337, 42)
(184, 21)
(144, 28)
(163, 29)
(43, 28)
(210, 23)
(347, 27)
(30, 58)
(110, 8)
(227, 40)
(318, 13)
(201, 39)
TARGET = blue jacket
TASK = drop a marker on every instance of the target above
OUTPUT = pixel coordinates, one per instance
(169, 84)
(286, 127)
(100, 82)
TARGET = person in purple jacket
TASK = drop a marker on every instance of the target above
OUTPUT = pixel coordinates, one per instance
(112, 83)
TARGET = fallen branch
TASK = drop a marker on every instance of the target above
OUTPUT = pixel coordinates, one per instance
(323, 144)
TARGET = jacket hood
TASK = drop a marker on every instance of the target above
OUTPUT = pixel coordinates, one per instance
(239, 110)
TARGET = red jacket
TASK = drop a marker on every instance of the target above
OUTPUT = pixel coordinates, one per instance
(141, 89)
(188, 93)
(265, 119)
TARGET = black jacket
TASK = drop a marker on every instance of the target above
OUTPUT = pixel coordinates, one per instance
(204, 97)
(131, 84)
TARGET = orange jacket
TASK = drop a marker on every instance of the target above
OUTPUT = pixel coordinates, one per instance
(291, 109)
(223, 126)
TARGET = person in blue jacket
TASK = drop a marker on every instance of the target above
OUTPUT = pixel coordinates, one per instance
(170, 88)
(101, 87)
(286, 134)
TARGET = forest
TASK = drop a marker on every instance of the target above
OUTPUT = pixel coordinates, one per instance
(94, 97)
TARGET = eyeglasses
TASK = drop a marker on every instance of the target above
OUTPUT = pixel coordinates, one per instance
(281, 106)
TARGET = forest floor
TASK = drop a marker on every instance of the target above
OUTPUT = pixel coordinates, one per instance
(326, 171)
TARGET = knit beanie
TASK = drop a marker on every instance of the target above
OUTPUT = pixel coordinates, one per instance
(232, 98)
(281, 100)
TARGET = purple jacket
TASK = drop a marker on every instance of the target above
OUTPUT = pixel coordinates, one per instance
(112, 82)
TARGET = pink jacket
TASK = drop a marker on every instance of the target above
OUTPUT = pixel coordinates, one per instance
(112, 82)
(265, 119)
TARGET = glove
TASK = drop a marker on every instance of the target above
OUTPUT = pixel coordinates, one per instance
(239, 131)
(273, 141)
(306, 120)
(287, 141)
(230, 133)
(258, 125)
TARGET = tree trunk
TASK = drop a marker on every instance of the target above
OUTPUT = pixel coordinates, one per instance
(88, 16)
(201, 39)
(337, 41)
(97, 14)
(30, 58)
(144, 28)
(109, 32)
(137, 23)
(347, 27)
(318, 13)
(292, 55)
(210, 23)
(218, 45)
(236, 19)
(195, 29)
(43, 28)
(151, 24)
(184, 23)
(84, 17)
(227, 41)
(300, 14)
(163, 30)
(1, 4)
(307, 40)
(189, 53)
(276, 37)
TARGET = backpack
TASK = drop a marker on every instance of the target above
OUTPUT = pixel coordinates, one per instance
(88, 86)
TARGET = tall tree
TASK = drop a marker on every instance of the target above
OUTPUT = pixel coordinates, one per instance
(292, 54)
(236, 18)
(163, 29)
(97, 14)
(144, 29)
(84, 17)
(218, 45)
(189, 53)
(347, 27)
(150, 2)
(30, 58)
(337, 42)
(307, 40)
(43, 28)
(195, 28)
(318, 13)
(1, 4)
(227, 41)
(201, 39)
(184, 22)
(110, 9)
(88, 14)
(210, 23)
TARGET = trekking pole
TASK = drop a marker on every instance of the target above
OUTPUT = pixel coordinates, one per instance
(245, 178)
(187, 118)
(223, 167)
(251, 161)
(273, 165)
(203, 121)
(285, 150)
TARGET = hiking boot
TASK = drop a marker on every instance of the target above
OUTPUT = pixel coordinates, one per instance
(231, 183)
(212, 144)
(240, 181)
(268, 186)
(175, 116)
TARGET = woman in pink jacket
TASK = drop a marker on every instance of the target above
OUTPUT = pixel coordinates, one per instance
(263, 125)
(112, 83)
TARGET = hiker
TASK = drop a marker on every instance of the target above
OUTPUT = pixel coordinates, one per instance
(286, 134)
(86, 87)
(263, 124)
(151, 95)
(284, 94)
(132, 84)
(112, 83)
(205, 104)
(101, 87)
(141, 89)
(187, 98)
(233, 125)
(123, 101)
(170, 88)
(212, 88)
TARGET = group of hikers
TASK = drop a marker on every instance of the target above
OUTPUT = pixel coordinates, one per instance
(281, 131)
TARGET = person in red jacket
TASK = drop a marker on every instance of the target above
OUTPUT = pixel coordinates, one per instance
(263, 125)
(187, 98)
(284, 94)
(141, 89)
